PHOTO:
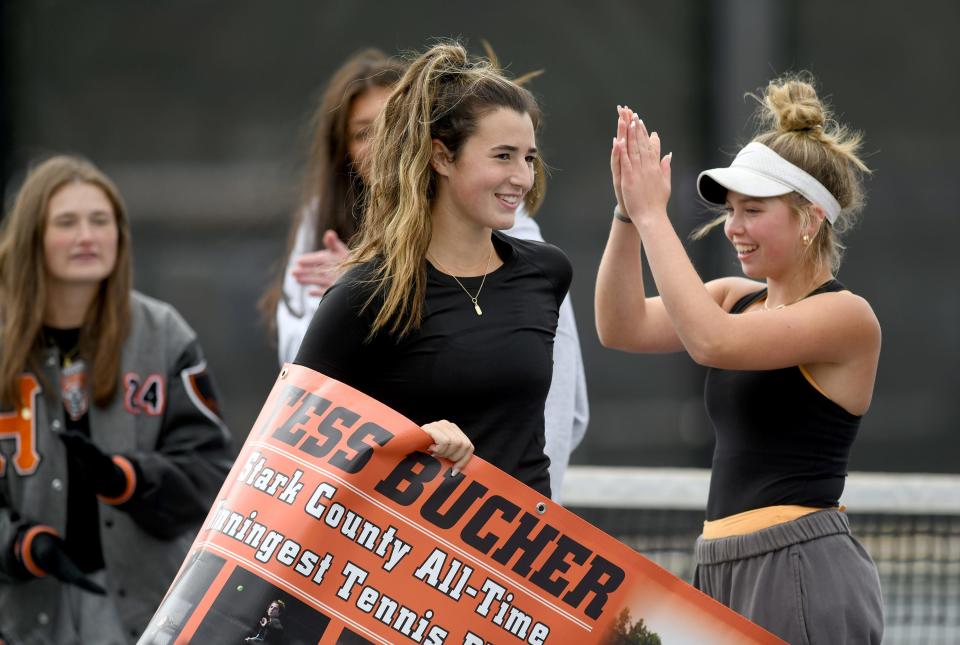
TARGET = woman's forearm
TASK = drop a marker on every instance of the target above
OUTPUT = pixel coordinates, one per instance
(696, 317)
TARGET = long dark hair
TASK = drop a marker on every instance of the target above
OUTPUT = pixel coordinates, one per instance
(442, 96)
(332, 186)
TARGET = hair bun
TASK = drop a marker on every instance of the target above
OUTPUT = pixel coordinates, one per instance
(794, 105)
(449, 57)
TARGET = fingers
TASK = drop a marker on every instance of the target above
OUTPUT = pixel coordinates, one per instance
(316, 260)
(626, 136)
(641, 177)
(622, 146)
(615, 170)
(626, 165)
(320, 268)
(642, 146)
(335, 253)
(312, 258)
(633, 138)
(641, 142)
(462, 462)
(334, 244)
(614, 162)
(642, 127)
(635, 133)
(321, 278)
(622, 120)
(666, 166)
(450, 442)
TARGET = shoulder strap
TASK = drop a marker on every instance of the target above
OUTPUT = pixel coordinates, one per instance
(828, 287)
(747, 300)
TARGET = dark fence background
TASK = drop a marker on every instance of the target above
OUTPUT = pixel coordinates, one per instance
(198, 109)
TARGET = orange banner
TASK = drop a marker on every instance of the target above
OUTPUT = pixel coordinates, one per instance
(336, 526)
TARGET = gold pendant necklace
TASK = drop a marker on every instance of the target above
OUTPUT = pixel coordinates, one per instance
(473, 298)
(69, 356)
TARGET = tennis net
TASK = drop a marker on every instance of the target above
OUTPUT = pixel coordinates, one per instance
(909, 523)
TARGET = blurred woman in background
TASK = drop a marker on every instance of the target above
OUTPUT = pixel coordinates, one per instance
(111, 443)
(330, 209)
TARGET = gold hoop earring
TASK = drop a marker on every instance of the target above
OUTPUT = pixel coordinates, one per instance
(806, 239)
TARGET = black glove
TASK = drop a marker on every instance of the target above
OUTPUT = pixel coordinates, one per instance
(108, 478)
(48, 552)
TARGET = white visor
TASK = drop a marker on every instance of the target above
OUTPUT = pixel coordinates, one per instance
(758, 171)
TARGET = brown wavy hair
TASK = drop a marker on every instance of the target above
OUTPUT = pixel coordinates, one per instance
(332, 186)
(442, 96)
(23, 282)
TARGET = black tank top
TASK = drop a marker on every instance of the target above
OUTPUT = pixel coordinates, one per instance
(779, 440)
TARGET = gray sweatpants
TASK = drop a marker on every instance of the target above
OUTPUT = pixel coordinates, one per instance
(808, 581)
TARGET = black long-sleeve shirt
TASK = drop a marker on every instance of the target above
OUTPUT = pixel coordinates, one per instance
(489, 374)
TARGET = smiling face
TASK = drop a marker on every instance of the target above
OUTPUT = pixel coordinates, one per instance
(492, 171)
(80, 237)
(765, 233)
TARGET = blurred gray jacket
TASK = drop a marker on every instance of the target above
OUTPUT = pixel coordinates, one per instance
(181, 449)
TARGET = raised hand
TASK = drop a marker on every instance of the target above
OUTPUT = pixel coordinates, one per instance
(644, 174)
(321, 268)
(615, 156)
(449, 442)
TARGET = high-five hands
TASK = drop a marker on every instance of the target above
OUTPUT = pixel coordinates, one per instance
(641, 177)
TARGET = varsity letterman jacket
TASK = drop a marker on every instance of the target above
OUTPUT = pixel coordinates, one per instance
(165, 419)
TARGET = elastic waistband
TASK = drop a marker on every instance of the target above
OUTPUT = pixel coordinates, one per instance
(754, 520)
(803, 529)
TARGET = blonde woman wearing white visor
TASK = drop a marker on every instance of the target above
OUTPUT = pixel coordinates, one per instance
(792, 359)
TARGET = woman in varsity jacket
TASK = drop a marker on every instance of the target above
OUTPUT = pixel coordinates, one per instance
(111, 444)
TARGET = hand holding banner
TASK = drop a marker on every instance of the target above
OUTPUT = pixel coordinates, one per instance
(336, 526)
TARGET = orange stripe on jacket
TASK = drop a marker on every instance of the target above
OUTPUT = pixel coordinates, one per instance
(26, 542)
(131, 474)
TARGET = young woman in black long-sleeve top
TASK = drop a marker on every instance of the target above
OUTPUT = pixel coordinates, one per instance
(441, 317)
